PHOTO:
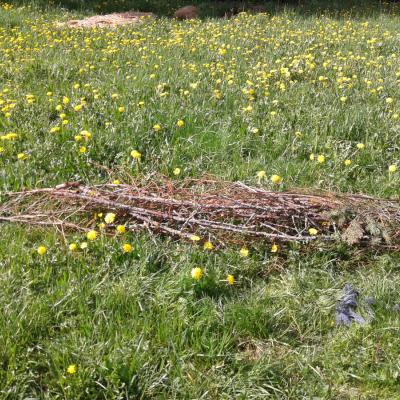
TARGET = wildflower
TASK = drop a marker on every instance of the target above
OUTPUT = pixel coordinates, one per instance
(312, 157)
(73, 247)
(195, 238)
(274, 248)
(21, 156)
(121, 229)
(197, 273)
(392, 168)
(230, 279)
(157, 127)
(208, 246)
(92, 235)
(102, 225)
(261, 174)
(343, 99)
(78, 107)
(59, 107)
(82, 149)
(389, 100)
(360, 146)
(116, 182)
(41, 250)
(176, 171)
(180, 123)
(78, 138)
(66, 100)
(136, 155)
(312, 231)
(244, 252)
(55, 129)
(127, 248)
(321, 158)
(347, 162)
(83, 245)
(109, 218)
(121, 109)
(276, 179)
(72, 369)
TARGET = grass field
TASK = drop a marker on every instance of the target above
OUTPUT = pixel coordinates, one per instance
(312, 98)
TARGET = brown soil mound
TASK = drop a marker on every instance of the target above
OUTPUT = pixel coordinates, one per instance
(108, 20)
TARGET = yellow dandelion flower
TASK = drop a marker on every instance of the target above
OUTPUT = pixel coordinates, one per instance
(121, 109)
(392, 168)
(82, 149)
(83, 245)
(109, 218)
(195, 238)
(276, 179)
(157, 127)
(72, 369)
(127, 248)
(230, 279)
(313, 231)
(347, 162)
(73, 247)
(180, 123)
(261, 174)
(196, 273)
(121, 229)
(92, 235)
(244, 252)
(321, 158)
(136, 155)
(41, 250)
(274, 248)
(360, 146)
(208, 246)
(176, 171)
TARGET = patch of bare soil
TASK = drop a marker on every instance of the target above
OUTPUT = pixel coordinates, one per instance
(108, 20)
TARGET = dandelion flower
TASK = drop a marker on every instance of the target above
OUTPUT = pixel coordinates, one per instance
(389, 100)
(82, 149)
(83, 245)
(180, 123)
(176, 171)
(261, 174)
(276, 179)
(312, 231)
(208, 246)
(121, 109)
(136, 155)
(92, 235)
(109, 218)
(21, 156)
(73, 247)
(116, 182)
(347, 162)
(244, 252)
(127, 248)
(121, 229)
(230, 279)
(360, 146)
(72, 369)
(157, 127)
(195, 238)
(392, 168)
(196, 273)
(41, 250)
(274, 248)
(321, 158)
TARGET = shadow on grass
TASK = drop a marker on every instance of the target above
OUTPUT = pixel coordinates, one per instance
(217, 9)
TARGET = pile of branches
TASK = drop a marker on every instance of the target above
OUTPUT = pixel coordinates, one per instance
(212, 210)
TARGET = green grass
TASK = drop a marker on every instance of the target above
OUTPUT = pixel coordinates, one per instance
(136, 325)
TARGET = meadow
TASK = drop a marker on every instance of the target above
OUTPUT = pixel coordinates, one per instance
(311, 98)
